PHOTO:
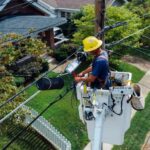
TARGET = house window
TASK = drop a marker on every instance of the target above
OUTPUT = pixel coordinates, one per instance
(68, 14)
(63, 14)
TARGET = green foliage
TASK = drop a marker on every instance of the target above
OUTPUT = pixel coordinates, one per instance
(45, 66)
(7, 90)
(29, 140)
(85, 25)
(19, 81)
(64, 51)
(142, 9)
(121, 14)
(9, 53)
(64, 117)
(12, 51)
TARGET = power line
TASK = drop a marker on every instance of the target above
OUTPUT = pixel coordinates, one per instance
(38, 30)
(18, 107)
(129, 20)
(146, 37)
(137, 49)
(27, 34)
(58, 98)
(21, 91)
(144, 49)
(119, 41)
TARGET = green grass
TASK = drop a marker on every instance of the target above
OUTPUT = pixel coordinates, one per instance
(140, 126)
(137, 74)
(29, 140)
(65, 117)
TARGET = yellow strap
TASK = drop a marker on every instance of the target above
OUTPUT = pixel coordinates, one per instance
(94, 98)
(84, 88)
(127, 82)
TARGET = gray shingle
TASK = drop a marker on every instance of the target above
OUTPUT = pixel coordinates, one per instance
(24, 24)
(1, 2)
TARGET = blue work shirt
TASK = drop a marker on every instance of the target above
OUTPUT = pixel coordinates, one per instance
(100, 69)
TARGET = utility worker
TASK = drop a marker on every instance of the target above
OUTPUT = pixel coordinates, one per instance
(99, 77)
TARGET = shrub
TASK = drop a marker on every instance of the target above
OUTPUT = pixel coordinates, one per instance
(64, 51)
(45, 66)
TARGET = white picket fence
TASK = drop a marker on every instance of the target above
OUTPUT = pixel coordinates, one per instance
(49, 132)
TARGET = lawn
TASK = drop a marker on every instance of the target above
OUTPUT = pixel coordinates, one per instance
(64, 114)
(140, 126)
(29, 140)
(137, 74)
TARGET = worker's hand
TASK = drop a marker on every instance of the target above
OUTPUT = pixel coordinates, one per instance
(80, 74)
(78, 79)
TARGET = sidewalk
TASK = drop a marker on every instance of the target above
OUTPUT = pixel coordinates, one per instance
(145, 85)
(53, 63)
(146, 145)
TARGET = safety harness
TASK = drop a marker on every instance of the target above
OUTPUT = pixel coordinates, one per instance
(103, 82)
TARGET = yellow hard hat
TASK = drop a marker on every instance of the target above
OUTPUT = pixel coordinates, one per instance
(91, 43)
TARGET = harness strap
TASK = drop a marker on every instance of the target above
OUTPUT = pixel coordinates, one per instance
(103, 82)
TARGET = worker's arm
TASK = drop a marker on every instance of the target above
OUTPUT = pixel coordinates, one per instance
(89, 69)
(91, 78)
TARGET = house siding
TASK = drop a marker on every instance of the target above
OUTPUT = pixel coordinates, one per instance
(15, 8)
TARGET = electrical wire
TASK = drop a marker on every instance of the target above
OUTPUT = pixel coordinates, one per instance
(107, 28)
(130, 35)
(27, 35)
(137, 49)
(146, 37)
(21, 91)
(57, 99)
(129, 20)
(143, 49)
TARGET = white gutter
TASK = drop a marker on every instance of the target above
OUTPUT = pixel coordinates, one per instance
(68, 9)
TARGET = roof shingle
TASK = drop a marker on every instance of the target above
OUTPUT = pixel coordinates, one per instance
(23, 24)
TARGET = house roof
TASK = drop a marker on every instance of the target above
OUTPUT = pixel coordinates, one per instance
(71, 4)
(24, 24)
(3, 3)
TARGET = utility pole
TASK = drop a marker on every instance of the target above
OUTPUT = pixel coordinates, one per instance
(100, 17)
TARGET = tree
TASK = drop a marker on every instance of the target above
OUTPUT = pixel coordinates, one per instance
(7, 89)
(142, 9)
(121, 14)
(85, 25)
(10, 52)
